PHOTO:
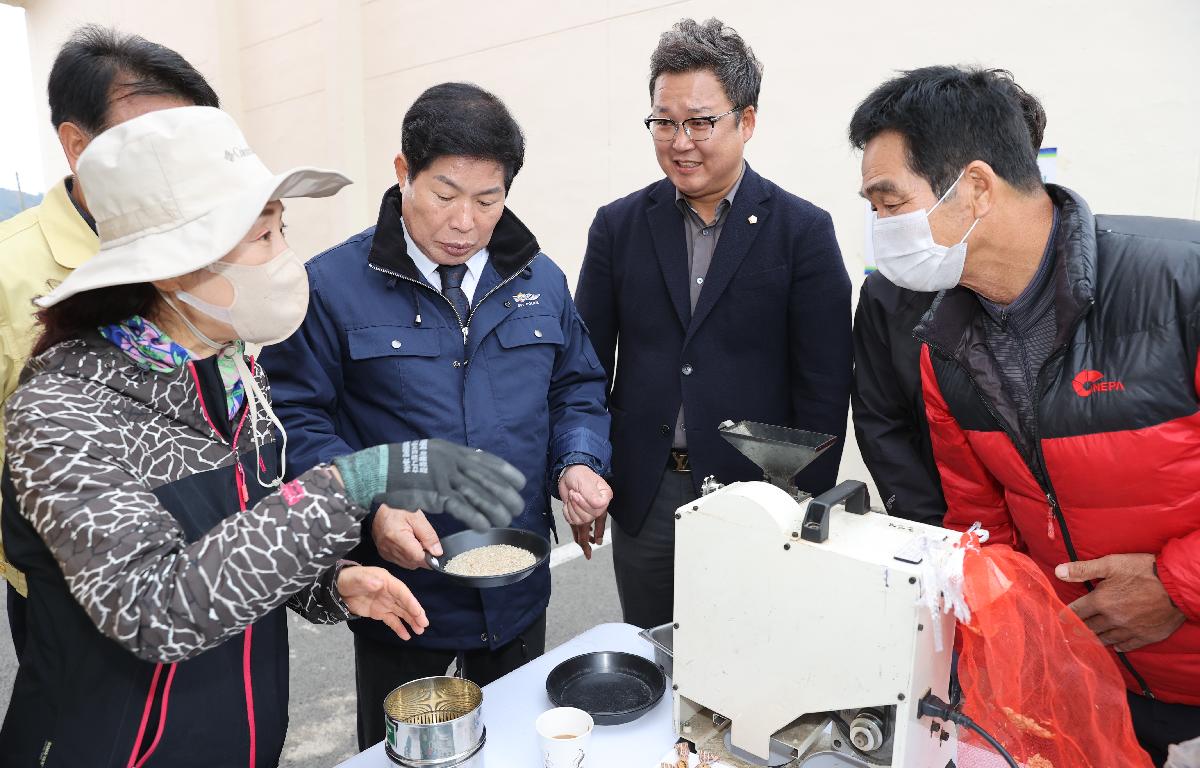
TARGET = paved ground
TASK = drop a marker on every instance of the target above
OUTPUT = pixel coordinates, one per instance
(322, 660)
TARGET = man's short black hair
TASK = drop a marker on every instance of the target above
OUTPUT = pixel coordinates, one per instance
(461, 120)
(1034, 114)
(690, 46)
(97, 58)
(952, 116)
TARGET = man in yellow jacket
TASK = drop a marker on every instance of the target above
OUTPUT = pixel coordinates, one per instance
(100, 78)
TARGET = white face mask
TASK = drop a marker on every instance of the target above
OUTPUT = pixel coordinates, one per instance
(269, 300)
(907, 255)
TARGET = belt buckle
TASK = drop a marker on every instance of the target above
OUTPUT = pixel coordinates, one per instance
(681, 461)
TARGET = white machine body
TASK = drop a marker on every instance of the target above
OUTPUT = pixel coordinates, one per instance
(770, 627)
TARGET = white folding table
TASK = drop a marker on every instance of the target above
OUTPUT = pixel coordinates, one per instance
(512, 703)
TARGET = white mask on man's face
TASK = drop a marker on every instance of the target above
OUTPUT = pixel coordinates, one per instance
(907, 255)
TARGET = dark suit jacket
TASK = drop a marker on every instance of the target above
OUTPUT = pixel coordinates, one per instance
(769, 340)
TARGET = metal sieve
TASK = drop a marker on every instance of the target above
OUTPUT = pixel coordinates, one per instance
(435, 722)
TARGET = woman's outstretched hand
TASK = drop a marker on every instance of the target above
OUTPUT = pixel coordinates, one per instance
(374, 593)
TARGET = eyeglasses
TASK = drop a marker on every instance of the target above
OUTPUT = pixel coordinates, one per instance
(696, 128)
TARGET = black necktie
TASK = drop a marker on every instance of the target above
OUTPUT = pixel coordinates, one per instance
(452, 277)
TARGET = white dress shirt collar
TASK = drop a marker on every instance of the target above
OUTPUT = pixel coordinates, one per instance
(428, 267)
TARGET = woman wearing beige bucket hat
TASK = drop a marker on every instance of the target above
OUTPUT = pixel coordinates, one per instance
(159, 543)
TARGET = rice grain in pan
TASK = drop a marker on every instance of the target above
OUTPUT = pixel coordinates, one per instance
(492, 560)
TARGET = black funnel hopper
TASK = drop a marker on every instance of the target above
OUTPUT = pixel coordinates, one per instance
(780, 452)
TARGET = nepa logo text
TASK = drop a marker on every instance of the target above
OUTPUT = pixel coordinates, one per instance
(1088, 383)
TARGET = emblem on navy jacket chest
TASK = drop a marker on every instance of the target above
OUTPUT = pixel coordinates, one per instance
(523, 299)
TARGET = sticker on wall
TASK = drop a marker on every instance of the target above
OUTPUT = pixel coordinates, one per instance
(1048, 164)
(868, 246)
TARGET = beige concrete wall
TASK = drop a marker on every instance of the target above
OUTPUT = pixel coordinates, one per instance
(327, 82)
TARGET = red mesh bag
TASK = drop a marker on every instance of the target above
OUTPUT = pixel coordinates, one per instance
(1034, 676)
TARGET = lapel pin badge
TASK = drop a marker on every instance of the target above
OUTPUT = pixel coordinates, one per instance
(753, 219)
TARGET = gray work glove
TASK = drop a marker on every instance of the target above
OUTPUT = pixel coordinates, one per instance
(435, 476)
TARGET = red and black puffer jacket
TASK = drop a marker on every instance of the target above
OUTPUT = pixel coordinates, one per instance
(1115, 464)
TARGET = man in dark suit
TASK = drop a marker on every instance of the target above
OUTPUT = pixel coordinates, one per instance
(722, 296)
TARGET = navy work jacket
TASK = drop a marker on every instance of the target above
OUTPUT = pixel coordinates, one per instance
(381, 358)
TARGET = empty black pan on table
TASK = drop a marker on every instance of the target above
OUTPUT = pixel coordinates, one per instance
(611, 686)
(457, 543)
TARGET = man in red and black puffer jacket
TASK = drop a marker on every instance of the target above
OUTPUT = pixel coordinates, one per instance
(1059, 370)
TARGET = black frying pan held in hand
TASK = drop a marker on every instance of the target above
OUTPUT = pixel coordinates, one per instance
(612, 686)
(457, 543)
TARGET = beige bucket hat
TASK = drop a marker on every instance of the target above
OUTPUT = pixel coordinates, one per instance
(173, 191)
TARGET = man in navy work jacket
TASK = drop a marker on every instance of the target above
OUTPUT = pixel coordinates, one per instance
(721, 295)
(446, 320)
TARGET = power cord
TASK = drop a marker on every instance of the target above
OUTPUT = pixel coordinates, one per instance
(932, 706)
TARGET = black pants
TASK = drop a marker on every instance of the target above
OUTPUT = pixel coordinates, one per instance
(380, 668)
(15, 603)
(645, 563)
(16, 620)
(1159, 724)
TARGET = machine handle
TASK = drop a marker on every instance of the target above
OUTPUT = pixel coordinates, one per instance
(816, 519)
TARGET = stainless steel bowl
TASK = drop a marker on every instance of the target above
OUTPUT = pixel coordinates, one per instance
(435, 722)
(662, 638)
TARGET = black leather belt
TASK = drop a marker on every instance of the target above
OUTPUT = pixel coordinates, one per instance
(678, 461)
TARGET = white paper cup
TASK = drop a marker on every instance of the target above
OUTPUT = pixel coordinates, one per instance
(564, 733)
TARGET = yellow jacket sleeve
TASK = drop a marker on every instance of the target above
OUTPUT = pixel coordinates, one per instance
(37, 246)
